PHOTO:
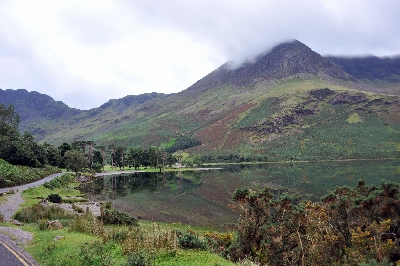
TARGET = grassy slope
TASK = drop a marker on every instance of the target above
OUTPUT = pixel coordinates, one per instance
(217, 116)
(15, 175)
(375, 136)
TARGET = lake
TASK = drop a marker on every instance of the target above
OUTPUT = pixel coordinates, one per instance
(203, 197)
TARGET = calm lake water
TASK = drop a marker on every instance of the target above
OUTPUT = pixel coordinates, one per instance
(202, 197)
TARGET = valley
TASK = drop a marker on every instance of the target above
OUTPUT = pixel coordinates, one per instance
(302, 142)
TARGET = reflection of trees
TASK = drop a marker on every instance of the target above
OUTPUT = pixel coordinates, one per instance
(179, 180)
(121, 185)
(145, 181)
(234, 168)
(194, 176)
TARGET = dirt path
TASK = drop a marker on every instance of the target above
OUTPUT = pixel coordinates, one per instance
(12, 239)
(8, 208)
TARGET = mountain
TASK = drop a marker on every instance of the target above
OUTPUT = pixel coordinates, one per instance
(288, 103)
(286, 60)
(381, 75)
(370, 67)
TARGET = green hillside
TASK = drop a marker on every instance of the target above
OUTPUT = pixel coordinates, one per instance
(290, 104)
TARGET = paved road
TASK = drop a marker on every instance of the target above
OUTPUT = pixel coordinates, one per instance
(10, 253)
(34, 184)
(13, 255)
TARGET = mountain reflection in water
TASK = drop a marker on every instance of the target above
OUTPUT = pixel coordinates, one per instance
(202, 197)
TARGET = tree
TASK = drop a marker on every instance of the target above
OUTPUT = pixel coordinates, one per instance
(134, 157)
(9, 120)
(9, 134)
(112, 149)
(75, 161)
(120, 157)
(103, 156)
(52, 154)
(63, 148)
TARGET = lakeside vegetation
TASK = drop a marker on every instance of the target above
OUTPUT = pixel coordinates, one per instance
(355, 226)
(87, 240)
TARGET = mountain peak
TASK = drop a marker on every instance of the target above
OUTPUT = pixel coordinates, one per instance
(288, 59)
(285, 60)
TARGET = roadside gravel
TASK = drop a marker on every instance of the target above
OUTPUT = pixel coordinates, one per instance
(9, 207)
(19, 236)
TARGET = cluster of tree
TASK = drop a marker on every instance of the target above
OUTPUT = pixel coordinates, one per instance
(182, 143)
(21, 149)
(233, 158)
(348, 227)
(82, 154)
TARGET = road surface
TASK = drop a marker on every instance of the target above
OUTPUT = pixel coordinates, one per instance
(13, 255)
(34, 184)
(10, 253)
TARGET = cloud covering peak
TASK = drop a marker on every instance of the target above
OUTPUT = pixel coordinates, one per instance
(85, 53)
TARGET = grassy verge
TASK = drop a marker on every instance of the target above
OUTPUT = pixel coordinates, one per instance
(86, 241)
(63, 252)
(32, 196)
(191, 257)
(77, 248)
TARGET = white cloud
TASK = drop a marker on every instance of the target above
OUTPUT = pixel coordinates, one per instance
(86, 52)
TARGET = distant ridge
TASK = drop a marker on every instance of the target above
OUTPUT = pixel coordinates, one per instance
(370, 67)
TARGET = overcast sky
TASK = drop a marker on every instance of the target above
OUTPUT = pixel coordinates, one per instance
(87, 52)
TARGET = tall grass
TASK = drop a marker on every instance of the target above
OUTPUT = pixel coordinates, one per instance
(39, 212)
(88, 224)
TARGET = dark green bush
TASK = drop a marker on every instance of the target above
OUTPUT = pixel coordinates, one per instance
(97, 167)
(116, 217)
(189, 240)
(55, 198)
(138, 259)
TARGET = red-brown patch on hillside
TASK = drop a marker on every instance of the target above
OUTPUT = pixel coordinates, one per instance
(234, 138)
(220, 134)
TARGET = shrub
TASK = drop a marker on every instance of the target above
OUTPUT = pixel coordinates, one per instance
(87, 224)
(55, 198)
(59, 182)
(77, 209)
(14, 175)
(96, 253)
(138, 259)
(42, 224)
(97, 167)
(349, 226)
(39, 212)
(189, 240)
(139, 239)
(219, 242)
(116, 217)
(1, 218)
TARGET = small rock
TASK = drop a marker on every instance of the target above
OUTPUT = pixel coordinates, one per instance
(59, 238)
(15, 222)
(56, 224)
